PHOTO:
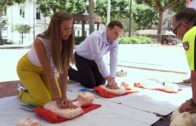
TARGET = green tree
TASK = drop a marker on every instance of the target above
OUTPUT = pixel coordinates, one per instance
(179, 6)
(140, 12)
(49, 7)
(160, 6)
(119, 10)
(22, 29)
(3, 5)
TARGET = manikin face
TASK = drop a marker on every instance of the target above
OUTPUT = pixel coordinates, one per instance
(66, 29)
(113, 33)
(85, 98)
(28, 122)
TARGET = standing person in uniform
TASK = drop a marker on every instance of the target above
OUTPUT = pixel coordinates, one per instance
(48, 58)
(184, 24)
(189, 4)
(91, 69)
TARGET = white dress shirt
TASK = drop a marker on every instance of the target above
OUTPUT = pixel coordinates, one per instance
(94, 47)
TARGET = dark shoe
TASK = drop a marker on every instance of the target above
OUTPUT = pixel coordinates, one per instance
(73, 74)
(21, 88)
(187, 80)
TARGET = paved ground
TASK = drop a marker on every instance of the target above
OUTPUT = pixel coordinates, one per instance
(165, 63)
(169, 58)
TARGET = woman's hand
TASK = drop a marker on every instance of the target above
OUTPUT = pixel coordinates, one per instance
(64, 103)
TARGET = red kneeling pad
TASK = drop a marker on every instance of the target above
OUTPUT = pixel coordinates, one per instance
(53, 118)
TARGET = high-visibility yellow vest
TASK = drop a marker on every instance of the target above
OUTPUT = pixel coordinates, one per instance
(189, 45)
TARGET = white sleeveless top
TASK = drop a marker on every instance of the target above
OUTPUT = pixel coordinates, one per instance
(32, 55)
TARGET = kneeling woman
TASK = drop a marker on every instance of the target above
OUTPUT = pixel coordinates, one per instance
(49, 57)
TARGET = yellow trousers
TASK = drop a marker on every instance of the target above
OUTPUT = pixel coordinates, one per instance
(35, 81)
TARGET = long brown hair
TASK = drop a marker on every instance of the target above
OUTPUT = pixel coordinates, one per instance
(62, 50)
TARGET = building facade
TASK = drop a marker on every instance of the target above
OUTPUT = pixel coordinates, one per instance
(28, 14)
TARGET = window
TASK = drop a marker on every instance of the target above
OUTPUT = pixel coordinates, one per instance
(38, 14)
(169, 24)
(22, 11)
(5, 12)
(85, 33)
(78, 34)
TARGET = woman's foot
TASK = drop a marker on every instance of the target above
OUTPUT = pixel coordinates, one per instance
(21, 88)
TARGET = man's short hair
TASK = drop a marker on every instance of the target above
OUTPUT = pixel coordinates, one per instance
(188, 15)
(115, 23)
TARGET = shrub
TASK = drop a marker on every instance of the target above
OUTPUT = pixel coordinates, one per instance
(136, 40)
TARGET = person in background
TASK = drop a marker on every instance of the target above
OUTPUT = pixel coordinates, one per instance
(43, 70)
(184, 26)
(91, 68)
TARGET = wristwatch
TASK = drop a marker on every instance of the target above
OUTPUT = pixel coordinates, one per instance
(192, 103)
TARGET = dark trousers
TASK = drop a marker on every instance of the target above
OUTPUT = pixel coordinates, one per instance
(87, 72)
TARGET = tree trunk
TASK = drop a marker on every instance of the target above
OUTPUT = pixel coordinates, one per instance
(108, 12)
(83, 29)
(98, 26)
(91, 16)
(1, 40)
(22, 38)
(2, 7)
(159, 31)
(130, 20)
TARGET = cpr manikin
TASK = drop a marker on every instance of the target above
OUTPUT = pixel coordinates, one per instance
(183, 119)
(84, 99)
(120, 91)
(155, 84)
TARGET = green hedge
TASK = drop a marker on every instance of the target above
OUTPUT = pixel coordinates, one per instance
(125, 40)
(136, 40)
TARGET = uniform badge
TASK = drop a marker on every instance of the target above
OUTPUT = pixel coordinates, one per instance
(186, 45)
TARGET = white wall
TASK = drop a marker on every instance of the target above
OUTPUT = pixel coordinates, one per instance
(14, 18)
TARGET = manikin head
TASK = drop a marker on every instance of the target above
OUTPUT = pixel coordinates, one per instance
(85, 98)
(28, 122)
